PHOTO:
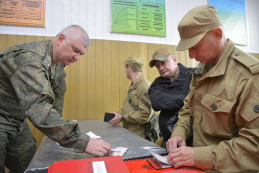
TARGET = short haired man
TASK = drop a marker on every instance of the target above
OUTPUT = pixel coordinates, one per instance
(136, 106)
(168, 90)
(32, 85)
(222, 107)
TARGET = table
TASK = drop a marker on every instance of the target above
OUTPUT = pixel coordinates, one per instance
(49, 151)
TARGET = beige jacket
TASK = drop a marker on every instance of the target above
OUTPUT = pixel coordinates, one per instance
(223, 110)
(137, 117)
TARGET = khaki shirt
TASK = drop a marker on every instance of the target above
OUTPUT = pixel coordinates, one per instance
(223, 110)
(32, 88)
(136, 118)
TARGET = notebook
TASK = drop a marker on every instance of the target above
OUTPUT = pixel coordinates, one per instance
(113, 164)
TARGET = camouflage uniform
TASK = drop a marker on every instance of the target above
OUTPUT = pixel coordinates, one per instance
(31, 87)
(137, 111)
(223, 110)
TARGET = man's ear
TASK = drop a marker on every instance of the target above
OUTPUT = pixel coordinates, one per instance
(61, 38)
(129, 68)
(174, 59)
(218, 34)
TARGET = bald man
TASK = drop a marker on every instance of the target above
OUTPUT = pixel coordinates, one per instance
(32, 85)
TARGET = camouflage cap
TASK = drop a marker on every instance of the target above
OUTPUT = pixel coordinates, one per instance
(134, 63)
(195, 24)
(160, 55)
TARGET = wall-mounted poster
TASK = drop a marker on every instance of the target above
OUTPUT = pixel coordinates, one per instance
(22, 12)
(233, 16)
(139, 17)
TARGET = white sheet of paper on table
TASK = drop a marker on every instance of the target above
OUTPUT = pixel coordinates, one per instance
(92, 135)
(119, 151)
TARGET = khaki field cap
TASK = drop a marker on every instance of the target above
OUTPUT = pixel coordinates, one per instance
(134, 63)
(160, 55)
(195, 24)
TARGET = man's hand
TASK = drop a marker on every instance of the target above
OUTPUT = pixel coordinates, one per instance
(174, 142)
(182, 156)
(116, 120)
(98, 147)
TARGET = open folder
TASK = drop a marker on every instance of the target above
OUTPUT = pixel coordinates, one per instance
(113, 164)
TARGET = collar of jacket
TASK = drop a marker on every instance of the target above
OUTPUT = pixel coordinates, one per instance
(135, 85)
(181, 74)
(209, 70)
(47, 61)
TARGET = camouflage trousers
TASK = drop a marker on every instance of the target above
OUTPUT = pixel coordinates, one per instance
(17, 145)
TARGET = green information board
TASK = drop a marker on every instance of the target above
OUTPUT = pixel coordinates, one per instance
(139, 17)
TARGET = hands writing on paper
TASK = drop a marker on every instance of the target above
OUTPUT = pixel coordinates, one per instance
(98, 147)
(179, 154)
(116, 120)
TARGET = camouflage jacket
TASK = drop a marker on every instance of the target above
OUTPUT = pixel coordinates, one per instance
(137, 107)
(223, 110)
(32, 88)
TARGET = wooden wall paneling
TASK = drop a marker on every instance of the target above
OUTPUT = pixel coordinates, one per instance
(23, 38)
(3, 41)
(182, 58)
(82, 85)
(91, 81)
(143, 56)
(122, 56)
(136, 49)
(48, 38)
(129, 49)
(129, 52)
(74, 105)
(176, 53)
(150, 71)
(99, 94)
(11, 40)
(115, 75)
(107, 76)
(71, 92)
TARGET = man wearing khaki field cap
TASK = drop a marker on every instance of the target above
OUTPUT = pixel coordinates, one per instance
(136, 106)
(222, 108)
(168, 90)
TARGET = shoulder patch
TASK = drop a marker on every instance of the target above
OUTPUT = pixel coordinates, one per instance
(247, 60)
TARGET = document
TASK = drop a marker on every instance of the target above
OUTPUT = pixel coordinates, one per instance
(162, 161)
(119, 151)
(99, 167)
